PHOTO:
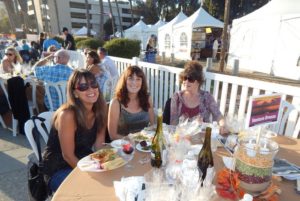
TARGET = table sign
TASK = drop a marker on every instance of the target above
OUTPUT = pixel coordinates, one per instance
(263, 110)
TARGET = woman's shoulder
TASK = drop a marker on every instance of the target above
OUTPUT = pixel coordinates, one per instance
(66, 114)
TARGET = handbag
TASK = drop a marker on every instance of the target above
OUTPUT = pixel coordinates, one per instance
(37, 186)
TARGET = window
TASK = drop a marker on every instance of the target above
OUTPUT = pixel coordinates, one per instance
(126, 19)
(79, 15)
(183, 40)
(167, 41)
(80, 25)
(78, 5)
(126, 11)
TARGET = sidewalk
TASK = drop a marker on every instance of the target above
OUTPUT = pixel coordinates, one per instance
(13, 166)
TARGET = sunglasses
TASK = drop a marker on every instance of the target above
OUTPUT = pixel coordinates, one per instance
(190, 79)
(9, 54)
(86, 86)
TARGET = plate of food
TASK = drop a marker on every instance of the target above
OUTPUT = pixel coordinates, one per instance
(139, 136)
(144, 146)
(118, 143)
(102, 160)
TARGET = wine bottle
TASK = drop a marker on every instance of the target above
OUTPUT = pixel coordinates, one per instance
(205, 158)
(156, 148)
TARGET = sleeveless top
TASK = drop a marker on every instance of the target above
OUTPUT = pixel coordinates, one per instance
(132, 122)
(53, 159)
(190, 112)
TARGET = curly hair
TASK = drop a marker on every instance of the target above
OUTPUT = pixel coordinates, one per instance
(194, 70)
(121, 89)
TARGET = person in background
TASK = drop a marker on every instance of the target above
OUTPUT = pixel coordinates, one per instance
(51, 49)
(107, 63)
(131, 109)
(50, 41)
(92, 61)
(191, 101)
(53, 73)
(11, 59)
(42, 37)
(215, 49)
(69, 43)
(77, 127)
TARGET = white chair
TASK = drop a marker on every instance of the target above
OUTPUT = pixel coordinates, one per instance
(29, 126)
(289, 120)
(60, 88)
(32, 103)
(14, 121)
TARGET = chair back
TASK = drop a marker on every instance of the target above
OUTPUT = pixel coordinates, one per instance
(289, 120)
(29, 125)
(32, 103)
(48, 122)
(60, 88)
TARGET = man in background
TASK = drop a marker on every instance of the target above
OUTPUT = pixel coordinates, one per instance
(107, 63)
(69, 42)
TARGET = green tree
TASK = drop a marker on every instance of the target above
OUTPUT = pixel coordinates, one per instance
(4, 25)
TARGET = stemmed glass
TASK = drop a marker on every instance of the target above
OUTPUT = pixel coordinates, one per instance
(127, 151)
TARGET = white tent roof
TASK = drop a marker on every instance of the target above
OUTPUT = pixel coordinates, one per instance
(138, 32)
(200, 19)
(181, 16)
(83, 32)
(153, 29)
(138, 27)
(267, 40)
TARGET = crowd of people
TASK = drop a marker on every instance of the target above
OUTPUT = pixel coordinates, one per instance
(82, 124)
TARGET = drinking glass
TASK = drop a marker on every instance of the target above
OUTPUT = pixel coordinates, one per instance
(127, 151)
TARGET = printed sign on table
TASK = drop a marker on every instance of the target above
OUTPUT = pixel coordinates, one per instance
(263, 110)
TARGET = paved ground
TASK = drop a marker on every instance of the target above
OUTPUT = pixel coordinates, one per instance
(13, 166)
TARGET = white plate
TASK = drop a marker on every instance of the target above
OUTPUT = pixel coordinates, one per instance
(87, 164)
(140, 148)
(117, 143)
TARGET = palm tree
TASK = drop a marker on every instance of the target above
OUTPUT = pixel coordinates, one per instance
(12, 15)
(131, 11)
(112, 17)
(119, 17)
(87, 17)
(101, 31)
(57, 15)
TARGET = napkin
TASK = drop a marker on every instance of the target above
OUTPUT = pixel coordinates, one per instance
(128, 188)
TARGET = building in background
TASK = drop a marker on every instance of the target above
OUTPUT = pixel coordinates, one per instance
(52, 15)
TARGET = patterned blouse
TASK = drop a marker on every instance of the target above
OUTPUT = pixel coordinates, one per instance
(207, 107)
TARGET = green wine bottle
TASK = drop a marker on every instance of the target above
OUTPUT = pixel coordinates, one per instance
(205, 158)
(156, 148)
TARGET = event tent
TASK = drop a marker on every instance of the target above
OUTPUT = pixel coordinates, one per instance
(165, 42)
(83, 32)
(267, 40)
(153, 29)
(183, 31)
(138, 32)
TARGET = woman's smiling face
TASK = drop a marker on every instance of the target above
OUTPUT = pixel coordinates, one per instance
(134, 83)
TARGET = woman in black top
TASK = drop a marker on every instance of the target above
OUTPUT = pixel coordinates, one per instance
(77, 126)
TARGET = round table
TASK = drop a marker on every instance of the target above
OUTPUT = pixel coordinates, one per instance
(93, 186)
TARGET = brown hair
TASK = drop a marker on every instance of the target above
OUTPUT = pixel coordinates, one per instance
(122, 92)
(194, 70)
(75, 104)
(95, 56)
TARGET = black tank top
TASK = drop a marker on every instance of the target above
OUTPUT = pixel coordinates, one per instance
(53, 159)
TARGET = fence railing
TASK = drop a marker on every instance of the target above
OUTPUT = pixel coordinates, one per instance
(231, 92)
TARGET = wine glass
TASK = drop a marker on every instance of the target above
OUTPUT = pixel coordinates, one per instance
(127, 151)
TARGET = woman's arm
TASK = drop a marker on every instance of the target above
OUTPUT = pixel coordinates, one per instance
(66, 127)
(7, 67)
(113, 119)
(151, 111)
(100, 139)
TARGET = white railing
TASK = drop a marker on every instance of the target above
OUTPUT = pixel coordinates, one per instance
(231, 92)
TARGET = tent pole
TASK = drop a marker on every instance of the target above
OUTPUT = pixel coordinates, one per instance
(224, 43)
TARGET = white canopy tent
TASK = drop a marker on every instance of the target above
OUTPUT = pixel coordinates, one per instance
(83, 32)
(183, 31)
(138, 32)
(153, 29)
(165, 41)
(267, 40)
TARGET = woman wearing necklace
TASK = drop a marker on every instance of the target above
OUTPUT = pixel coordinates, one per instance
(191, 101)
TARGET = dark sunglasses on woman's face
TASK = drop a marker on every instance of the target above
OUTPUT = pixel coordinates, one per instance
(190, 79)
(9, 54)
(86, 86)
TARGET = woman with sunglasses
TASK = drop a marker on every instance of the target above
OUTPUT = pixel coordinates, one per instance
(191, 101)
(78, 126)
(11, 59)
(92, 65)
(131, 109)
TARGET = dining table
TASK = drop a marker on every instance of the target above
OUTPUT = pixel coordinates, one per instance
(95, 186)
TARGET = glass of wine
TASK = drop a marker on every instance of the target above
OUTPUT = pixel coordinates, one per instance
(127, 151)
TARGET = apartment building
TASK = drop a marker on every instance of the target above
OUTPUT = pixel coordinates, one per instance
(53, 15)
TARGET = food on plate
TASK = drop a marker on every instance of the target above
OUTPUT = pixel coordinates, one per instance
(118, 162)
(145, 146)
(104, 155)
(127, 148)
(140, 137)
